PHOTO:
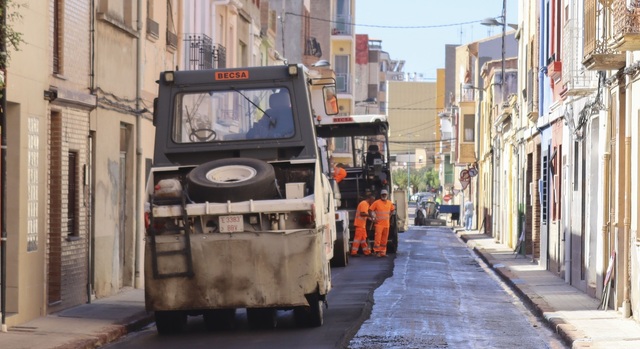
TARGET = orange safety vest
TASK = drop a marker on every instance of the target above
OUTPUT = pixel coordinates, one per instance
(361, 221)
(383, 211)
(339, 173)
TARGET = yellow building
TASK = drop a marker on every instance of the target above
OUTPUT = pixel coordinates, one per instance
(413, 118)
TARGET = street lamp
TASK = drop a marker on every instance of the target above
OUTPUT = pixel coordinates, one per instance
(503, 24)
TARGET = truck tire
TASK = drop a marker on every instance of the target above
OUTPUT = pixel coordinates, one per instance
(170, 322)
(341, 247)
(312, 315)
(235, 179)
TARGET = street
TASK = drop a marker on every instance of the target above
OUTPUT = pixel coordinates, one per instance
(440, 296)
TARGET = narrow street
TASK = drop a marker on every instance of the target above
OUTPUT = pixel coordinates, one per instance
(440, 296)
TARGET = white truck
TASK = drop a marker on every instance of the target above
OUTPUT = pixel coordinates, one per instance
(240, 209)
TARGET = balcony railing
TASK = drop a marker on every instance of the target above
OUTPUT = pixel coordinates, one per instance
(198, 51)
(626, 25)
(220, 56)
(342, 25)
(201, 53)
(578, 81)
(598, 55)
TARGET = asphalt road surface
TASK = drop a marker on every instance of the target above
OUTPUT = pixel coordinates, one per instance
(441, 295)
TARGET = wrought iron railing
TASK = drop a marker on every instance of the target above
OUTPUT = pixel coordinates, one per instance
(202, 53)
(597, 30)
(220, 56)
(626, 17)
(198, 51)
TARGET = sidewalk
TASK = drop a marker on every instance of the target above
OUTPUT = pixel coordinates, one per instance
(568, 311)
(82, 327)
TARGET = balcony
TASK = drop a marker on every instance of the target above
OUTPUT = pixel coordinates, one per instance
(598, 55)
(532, 94)
(626, 26)
(577, 81)
(554, 71)
(342, 25)
(198, 50)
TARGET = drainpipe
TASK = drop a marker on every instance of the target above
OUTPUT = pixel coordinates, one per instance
(90, 140)
(3, 174)
(626, 280)
(139, 170)
(606, 193)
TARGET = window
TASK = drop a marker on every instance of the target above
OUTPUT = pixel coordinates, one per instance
(469, 128)
(343, 18)
(233, 115)
(341, 145)
(72, 196)
(153, 28)
(172, 37)
(342, 73)
(33, 184)
(58, 44)
(543, 189)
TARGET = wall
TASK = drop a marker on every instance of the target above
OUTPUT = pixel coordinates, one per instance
(412, 114)
(27, 78)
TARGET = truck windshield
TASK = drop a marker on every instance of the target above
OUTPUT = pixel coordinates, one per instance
(231, 115)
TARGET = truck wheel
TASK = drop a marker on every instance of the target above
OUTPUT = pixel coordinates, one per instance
(264, 318)
(312, 315)
(170, 322)
(235, 179)
(219, 319)
(340, 247)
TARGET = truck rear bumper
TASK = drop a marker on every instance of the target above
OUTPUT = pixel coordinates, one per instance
(239, 270)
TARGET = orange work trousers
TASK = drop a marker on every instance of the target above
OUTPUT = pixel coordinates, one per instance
(380, 242)
(360, 240)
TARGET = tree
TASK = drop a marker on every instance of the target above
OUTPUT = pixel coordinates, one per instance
(12, 38)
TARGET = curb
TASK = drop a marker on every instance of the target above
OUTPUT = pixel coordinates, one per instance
(111, 333)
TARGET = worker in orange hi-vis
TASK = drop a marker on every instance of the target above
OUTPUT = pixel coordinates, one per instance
(360, 223)
(339, 173)
(381, 211)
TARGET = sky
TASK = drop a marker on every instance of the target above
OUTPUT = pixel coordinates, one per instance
(451, 22)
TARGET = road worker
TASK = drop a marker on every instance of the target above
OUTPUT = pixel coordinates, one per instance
(360, 224)
(381, 211)
(339, 173)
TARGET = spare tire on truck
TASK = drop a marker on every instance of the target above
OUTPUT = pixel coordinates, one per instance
(234, 179)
